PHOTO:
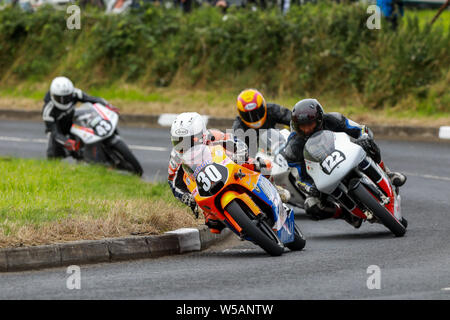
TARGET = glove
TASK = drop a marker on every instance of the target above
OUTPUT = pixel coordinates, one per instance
(195, 211)
(261, 163)
(240, 154)
(112, 108)
(367, 143)
(188, 199)
(72, 145)
(364, 141)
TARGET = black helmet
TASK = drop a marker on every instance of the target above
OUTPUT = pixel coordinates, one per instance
(305, 112)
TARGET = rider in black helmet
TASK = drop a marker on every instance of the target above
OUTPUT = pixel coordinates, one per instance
(309, 117)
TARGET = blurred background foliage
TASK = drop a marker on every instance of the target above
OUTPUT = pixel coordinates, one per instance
(314, 49)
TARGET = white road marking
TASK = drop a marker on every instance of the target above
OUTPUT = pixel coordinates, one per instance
(133, 147)
(147, 148)
(17, 139)
(445, 289)
(444, 132)
(429, 176)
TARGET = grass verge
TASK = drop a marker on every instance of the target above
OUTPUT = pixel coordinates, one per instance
(221, 103)
(44, 202)
(322, 49)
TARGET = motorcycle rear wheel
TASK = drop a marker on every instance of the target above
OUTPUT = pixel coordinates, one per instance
(386, 218)
(259, 231)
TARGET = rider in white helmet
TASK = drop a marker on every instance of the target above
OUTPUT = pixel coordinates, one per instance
(57, 113)
(189, 129)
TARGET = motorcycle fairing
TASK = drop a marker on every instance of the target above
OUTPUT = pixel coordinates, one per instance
(254, 182)
(325, 181)
(284, 222)
(87, 117)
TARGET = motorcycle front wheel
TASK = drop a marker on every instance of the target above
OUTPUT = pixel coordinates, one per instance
(127, 160)
(386, 218)
(299, 241)
(259, 231)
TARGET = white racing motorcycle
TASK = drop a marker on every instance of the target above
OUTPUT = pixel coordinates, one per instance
(270, 144)
(343, 170)
(96, 126)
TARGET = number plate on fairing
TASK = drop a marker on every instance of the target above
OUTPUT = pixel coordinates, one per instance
(103, 128)
(332, 161)
(211, 179)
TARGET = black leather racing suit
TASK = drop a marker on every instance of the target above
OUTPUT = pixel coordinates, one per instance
(58, 122)
(293, 150)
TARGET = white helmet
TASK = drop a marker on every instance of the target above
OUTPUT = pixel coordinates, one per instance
(188, 129)
(61, 92)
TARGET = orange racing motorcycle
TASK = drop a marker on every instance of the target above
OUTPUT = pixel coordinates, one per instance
(244, 200)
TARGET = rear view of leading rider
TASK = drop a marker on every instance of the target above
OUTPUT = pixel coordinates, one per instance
(308, 117)
(58, 112)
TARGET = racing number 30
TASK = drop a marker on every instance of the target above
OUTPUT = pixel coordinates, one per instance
(207, 176)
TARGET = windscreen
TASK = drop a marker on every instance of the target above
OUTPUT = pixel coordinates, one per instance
(319, 146)
(270, 141)
(86, 116)
(196, 158)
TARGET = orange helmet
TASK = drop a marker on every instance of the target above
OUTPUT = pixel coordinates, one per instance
(252, 108)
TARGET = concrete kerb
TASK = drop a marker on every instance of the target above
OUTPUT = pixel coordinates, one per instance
(164, 121)
(107, 250)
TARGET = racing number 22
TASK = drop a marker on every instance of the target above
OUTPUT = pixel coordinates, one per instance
(332, 161)
(207, 176)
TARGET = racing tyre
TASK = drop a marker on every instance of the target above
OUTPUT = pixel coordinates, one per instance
(386, 218)
(299, 241)
(127, 159)
(259, 231)
(404, 222)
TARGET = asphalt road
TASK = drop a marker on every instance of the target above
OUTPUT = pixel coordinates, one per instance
(334, 264)
(27, 139)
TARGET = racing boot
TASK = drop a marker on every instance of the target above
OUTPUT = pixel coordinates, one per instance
(351, 219)
(397, 179)
(215, 226)
(285, 195)
(317, 209)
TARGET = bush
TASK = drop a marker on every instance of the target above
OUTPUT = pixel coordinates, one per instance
(315, 48)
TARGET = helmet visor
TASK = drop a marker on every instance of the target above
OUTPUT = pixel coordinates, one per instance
(253, 115)
(307, 128)
(183, 144)
(63, 99)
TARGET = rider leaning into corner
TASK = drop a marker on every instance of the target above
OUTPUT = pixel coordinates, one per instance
(58, 112)
(187, 130)
(308, 117)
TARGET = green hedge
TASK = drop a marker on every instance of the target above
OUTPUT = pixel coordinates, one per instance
(314, 49)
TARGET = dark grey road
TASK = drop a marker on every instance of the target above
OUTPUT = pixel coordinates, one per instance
(333, 265)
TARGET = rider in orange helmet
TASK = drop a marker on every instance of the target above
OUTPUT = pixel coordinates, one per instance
(255, 113)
